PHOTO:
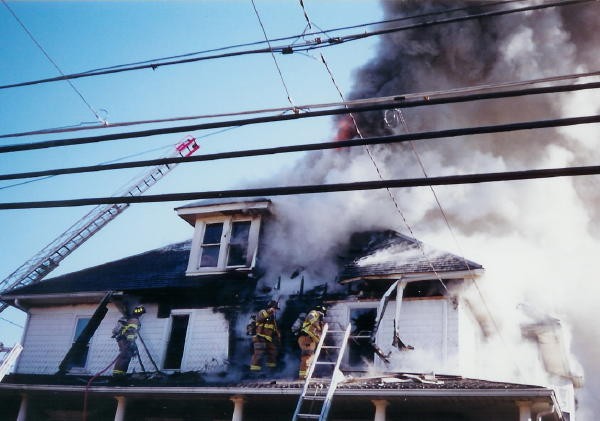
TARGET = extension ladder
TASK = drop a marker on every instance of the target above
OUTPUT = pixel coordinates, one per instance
(9, 359)
(315, 400)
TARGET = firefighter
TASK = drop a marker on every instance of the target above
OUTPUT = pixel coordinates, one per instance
(309, 337)
(126, 332)
(267, 338)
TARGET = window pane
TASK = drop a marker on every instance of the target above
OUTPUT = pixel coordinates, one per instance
(210, 256)
(238, 244)
(212, 233)
(80, 357)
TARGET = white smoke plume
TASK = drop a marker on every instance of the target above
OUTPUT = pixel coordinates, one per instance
(538, 240)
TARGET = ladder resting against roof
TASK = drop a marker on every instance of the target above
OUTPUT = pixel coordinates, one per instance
(36, 268)
(9, 358)
(315, 400)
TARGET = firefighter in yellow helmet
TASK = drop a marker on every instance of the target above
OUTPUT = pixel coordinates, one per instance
(309, 337)
(267, 338)
(126, 332)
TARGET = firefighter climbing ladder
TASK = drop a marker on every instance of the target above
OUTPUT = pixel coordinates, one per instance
(317, 394)
(36, 268)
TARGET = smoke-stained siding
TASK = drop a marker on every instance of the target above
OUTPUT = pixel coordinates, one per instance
(50, 335)
(207, 340)
(429, 325)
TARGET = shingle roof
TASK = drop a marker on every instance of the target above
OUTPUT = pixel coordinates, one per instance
(160, 268)
(398, 381)
(380, 253)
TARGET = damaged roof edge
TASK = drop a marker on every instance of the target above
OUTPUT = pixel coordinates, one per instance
(534, 392)
(215, 207)
(60, 298)
(413, 277)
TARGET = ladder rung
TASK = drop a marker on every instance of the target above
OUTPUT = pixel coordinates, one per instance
(310, 416)
(315, 397)
(336, 331)
(331, 347)
(325, 362)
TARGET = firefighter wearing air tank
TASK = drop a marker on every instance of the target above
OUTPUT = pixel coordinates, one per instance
(267, 338)
(126, 332)
(309, 337)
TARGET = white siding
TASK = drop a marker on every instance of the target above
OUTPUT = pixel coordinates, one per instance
(470, 335)
(207, 341)
(50, 332)
(429, 325)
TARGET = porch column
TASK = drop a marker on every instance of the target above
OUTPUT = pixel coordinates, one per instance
(120, 412)
(524, 410)
(22, 416)
(238, 408)
(380, 406)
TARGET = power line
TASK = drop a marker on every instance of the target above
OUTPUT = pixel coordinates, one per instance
(317, 188)
(11, 322)
(306, 46)
(400, 102)
(407, 96)
(294, 37)
(362, 141)
(53, 62)
(289, 98)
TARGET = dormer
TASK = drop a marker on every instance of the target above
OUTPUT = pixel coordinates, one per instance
(226, 234)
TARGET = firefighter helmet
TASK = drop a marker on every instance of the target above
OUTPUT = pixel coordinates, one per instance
(139, 310)
(273, 304)
(322, 309)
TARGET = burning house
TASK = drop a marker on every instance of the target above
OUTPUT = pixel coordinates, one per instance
(415, 334)
(424, 343)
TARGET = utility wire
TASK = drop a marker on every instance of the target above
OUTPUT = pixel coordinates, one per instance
(77, 91)
(317, 188)
(294, 37)
(264, 31)
(306, 46)
(400, 102)
(11, 322)
(380, 176)
(362, 141)
(406, 96)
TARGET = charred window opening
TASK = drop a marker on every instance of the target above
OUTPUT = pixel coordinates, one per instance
(176, 345)
(211, 245)
(238, 243)
(80, 358)
(376, 288)
(360, 352)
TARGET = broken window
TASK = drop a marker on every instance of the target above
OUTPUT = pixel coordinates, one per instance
(176, 344)
(360, 352)
(238, 244)
(80, 359)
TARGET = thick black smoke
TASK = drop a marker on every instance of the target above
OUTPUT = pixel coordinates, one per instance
(536, 239)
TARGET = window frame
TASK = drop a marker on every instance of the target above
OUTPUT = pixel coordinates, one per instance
(194, 267)
(169, 331)
(75, 335)
(360, 305)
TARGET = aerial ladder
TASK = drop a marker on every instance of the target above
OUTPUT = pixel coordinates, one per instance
(47, 259)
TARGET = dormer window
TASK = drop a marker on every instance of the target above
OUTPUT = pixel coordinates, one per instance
(224, 244)
(225, 237)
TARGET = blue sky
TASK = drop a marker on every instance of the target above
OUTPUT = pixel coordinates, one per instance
(79, 36)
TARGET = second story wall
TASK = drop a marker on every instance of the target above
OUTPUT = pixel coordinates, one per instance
(430, 325)
(51, 331)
